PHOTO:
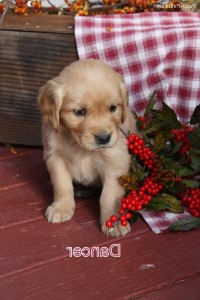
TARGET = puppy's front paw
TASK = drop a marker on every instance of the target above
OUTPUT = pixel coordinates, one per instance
(57, 212)
(118, 230)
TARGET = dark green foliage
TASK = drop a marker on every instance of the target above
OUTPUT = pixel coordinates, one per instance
(185, 224)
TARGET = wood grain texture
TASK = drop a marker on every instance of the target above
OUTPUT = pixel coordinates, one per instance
(34, 261)
(29, 56)
(40, 23)
(21, 167)
(188, 288)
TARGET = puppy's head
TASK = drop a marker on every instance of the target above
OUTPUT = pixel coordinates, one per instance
(88, 100)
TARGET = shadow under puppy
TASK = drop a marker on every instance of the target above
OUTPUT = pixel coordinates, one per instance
(83, 110)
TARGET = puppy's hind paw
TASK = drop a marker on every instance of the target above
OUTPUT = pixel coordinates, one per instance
(58, 214)
(118, 230)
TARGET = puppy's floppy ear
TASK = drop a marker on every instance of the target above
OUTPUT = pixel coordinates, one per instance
(50, 101)
(124, 94)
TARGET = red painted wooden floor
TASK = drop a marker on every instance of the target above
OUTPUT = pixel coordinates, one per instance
(34, 262)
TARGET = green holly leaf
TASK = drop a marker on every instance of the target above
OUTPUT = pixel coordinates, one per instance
(195, 118)
(165, 202)
(176, 188)
(194, 155)
(184, 171)
(195, 162)
(152, 127)
(170, 163)
(139, 124)
(150, 105)
(195, 152)
(170, 117)
(136, 171)
(194, 138)
(161, 139)
(165, 119)
(185, 224)
(191, 183)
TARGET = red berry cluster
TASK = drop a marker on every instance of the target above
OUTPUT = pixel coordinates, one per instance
(192, 199)
(145, 154)
(180, 135)
(136, 199)
(143, 121)
(122, 218)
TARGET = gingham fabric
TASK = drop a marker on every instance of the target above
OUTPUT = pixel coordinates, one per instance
(153, 51)
(160, 221)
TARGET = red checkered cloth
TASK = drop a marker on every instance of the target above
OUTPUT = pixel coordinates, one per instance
(160, 221)
(153, 51)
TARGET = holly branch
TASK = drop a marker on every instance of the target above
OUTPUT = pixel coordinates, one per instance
(165, 166)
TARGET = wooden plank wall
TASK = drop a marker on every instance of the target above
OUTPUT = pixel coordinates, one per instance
(33, 49)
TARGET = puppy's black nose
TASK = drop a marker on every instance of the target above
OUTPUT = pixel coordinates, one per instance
(102, 139)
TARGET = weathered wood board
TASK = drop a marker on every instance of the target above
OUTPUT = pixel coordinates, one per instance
(35, 261)
(33, 49)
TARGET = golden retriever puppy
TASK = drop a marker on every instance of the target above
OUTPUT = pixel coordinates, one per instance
(85, 112)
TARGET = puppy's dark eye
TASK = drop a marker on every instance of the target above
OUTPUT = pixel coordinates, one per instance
(113, 108)
(80, 112)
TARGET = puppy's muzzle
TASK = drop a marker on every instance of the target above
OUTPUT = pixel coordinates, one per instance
(102, 139)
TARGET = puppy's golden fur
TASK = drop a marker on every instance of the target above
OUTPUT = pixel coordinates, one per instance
(83, 110)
